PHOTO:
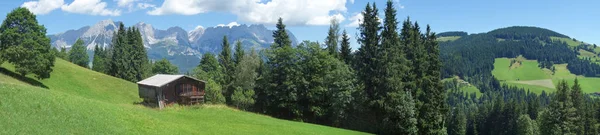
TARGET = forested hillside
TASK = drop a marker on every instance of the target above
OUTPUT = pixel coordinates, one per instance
(511, 108)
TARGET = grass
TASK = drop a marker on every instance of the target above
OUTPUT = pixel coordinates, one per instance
(471, 89)
(465, 87)
(531, 72)
(588, 84)
(569, 41)
(448, 38)
(527, 70)
(585, 53)
(531, 88)
(80, 101)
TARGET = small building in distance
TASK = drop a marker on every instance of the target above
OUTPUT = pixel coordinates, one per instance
(161, 90)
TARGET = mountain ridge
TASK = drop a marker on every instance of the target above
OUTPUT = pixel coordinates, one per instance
(183, 48)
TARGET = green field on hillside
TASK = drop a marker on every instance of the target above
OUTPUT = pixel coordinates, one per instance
(588, 84)
(525, 70)
(448, 38)
(531, 88)
(569, 41)
(76, 100)
(538, 80)
(464, 86)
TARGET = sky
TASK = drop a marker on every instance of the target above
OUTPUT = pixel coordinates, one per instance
(309, 19)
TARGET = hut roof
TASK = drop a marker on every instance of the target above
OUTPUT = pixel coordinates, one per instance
(161, 79)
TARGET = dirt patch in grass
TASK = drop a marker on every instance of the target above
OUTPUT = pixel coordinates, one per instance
(544, 83)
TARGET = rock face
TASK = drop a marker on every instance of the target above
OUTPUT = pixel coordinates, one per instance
(183, 48)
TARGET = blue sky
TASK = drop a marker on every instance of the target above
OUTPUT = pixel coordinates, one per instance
(307, 19)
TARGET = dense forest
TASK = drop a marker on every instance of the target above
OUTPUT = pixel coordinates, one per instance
(503, 109)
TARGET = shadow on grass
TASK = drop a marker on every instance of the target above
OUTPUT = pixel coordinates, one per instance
(146, 104)
(22, 78)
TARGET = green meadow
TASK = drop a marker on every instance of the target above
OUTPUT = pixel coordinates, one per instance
(76, 100)
(529, 76)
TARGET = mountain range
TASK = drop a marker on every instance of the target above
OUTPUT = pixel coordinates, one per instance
(183, 48)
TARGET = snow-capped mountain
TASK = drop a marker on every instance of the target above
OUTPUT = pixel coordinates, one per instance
(181, 47)
(196, 33)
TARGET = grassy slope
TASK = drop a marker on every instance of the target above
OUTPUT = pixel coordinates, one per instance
(529, 70)
(80, 101)
(448, 38)
(466, 88)
(569, 41)
(502, 72)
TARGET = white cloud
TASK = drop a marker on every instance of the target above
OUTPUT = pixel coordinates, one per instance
(355, 20)
(231, 24)
(145, 5)
(325, 20)
(125, 3)
(293, 12)
(92, 7)
(397, 3)
(43, 6)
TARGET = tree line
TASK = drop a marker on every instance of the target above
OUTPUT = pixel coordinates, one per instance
(372, 90)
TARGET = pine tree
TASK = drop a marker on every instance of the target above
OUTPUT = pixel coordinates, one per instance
(99, 63)
(590, 118)
(78, 54)
(345, 50)
(393, 67)
(577, 98)
(526, 126)
(140, 61)
(282, 77)
(333, 37)
(211, 67)
(25, 44)
(559, 118)
(228, 64)
(120, 65)
(433, 97)
(239, 53)
(367, 54)
(211, 71)
(458, 121)
(281, 38)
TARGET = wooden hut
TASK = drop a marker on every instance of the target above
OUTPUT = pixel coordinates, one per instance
(161, 90)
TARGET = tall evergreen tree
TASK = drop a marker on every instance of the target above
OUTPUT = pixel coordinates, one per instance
(281, 38)
(458, 121)
(559, 118)
(228, 66)
(120, 65)
(392, 72)
(99, 63)
(333, 36)
(433, 97)
(78, 54)
(140, 61)
(25, 44)
(239, 53)
(367, 54)
(345, 50)
(579, 104)
(211, 67)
